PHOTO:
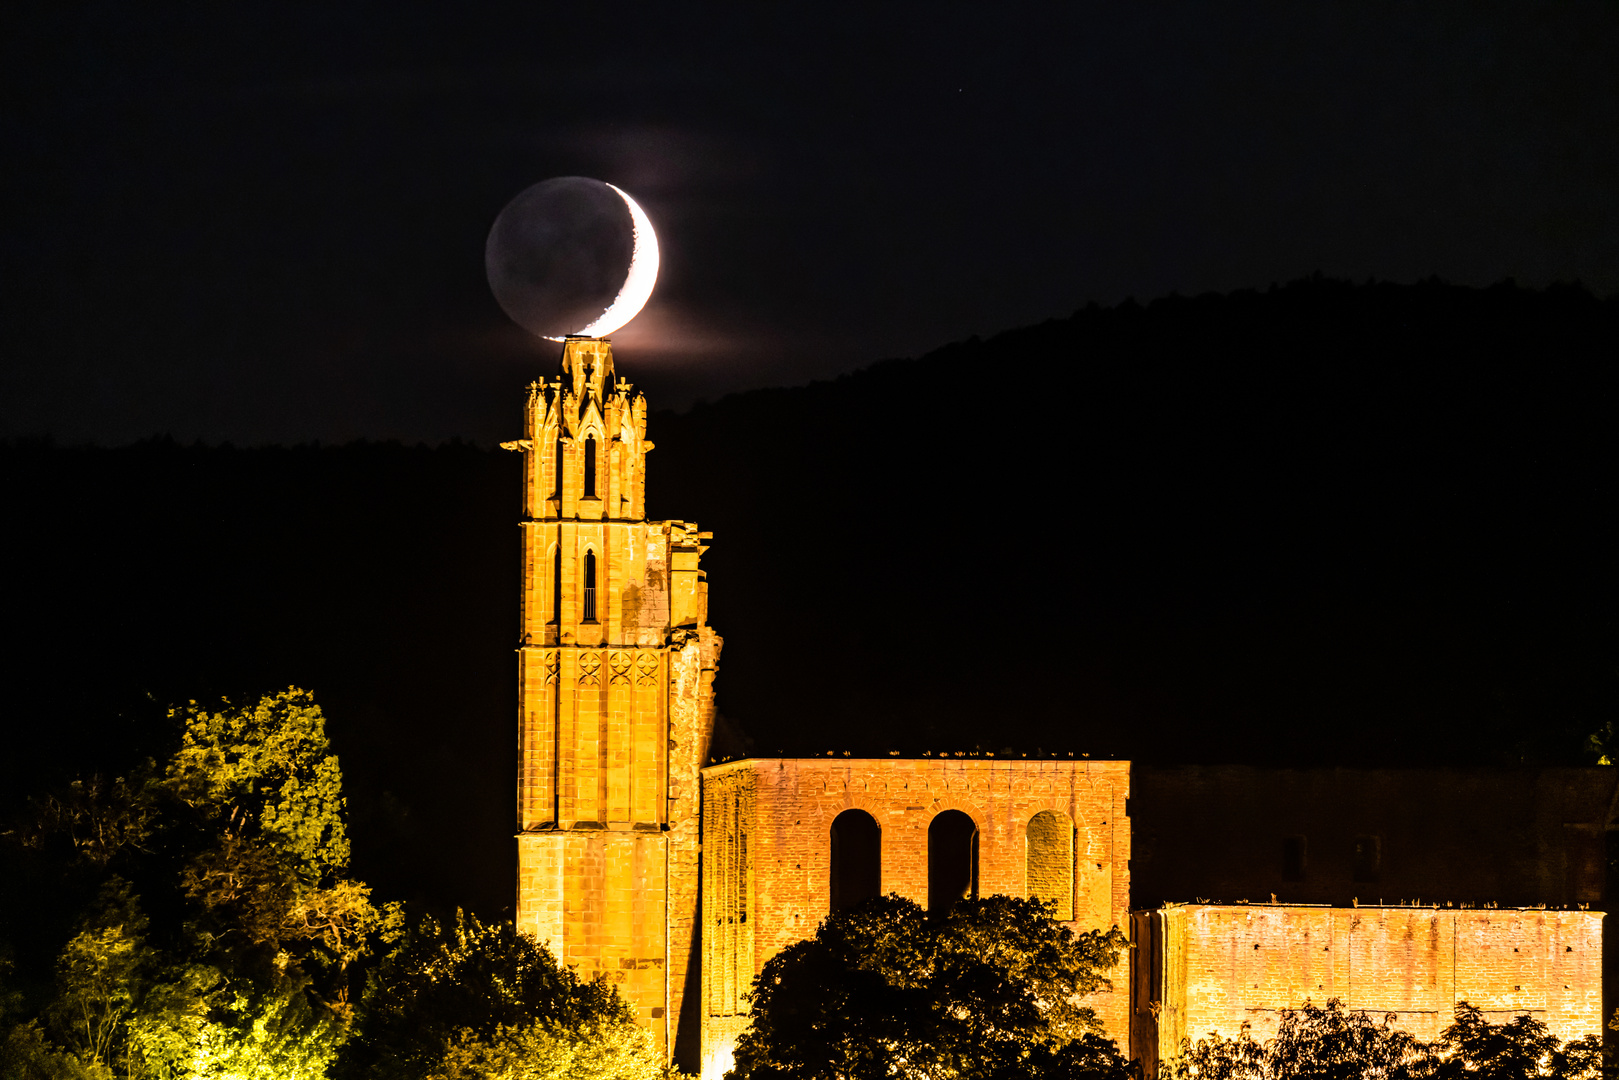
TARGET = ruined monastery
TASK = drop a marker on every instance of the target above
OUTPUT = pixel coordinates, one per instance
(678, 879)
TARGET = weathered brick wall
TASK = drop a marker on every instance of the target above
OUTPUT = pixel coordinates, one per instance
(1216, 967)
(788, 842)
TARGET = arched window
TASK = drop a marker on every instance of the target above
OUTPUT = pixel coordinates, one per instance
(857, 859)
(1050, 867)
(590, 467)
(556, 585)
(590, 587)
(558, 469)
(952, 860)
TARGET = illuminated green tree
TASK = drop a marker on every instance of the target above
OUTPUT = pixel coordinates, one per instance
(239, 838)
(548, 1051)
(249, 976)
(263, 785)
(989, 989)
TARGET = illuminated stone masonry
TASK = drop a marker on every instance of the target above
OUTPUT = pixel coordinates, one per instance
(1053, 828)
(1201, 968)
(615, 672)
(678, 882)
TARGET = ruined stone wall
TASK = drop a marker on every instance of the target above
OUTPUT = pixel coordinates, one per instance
(1213, 968)
(788, 861)
(691, 726)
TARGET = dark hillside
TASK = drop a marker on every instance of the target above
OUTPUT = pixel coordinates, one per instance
(1325, 523)
(1322, 523)
(378, 576)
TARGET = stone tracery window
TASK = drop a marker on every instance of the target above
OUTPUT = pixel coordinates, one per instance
(952, 859)
(856, 870)
(1049, 869)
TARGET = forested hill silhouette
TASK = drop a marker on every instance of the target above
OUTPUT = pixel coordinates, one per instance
(1323, 523)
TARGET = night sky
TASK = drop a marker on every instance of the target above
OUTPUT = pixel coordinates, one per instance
(265, 222)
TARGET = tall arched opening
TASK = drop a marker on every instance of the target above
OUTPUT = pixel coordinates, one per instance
(1050, 866)
(857, 859)
(952, 859)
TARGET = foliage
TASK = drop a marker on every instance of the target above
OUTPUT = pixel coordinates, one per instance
(1601, 742)
(240, 836)
(988, 989)
(241, 969)
(545, 1051)
(264, 782)
(1329, 1043)
(1474, 1048)
(1334, 1044)
(96, 818)
(268, 769)
(449, 997)
(101, 977)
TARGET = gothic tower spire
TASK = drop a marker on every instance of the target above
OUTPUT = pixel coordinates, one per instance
(616, 670)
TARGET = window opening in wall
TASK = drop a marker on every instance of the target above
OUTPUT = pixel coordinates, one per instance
(1368, 858)
(590, 467)
(1050, 862)
(952, 860)
(590, 587)
(558, 469)
(556, 585)
(857, 861)
(1293, 853)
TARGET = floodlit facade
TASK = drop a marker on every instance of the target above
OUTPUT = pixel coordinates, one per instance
(677, 879)
(615, 672)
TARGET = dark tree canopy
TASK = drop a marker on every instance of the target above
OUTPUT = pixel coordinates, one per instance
(467, 980)
(1331, 1043)
(987, 989)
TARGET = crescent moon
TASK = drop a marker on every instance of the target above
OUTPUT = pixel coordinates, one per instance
(643, 274)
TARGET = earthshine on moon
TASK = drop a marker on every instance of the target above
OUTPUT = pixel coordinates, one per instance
(572, 256)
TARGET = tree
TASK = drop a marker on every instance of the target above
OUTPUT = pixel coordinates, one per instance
(480, 999)
(547, 1051)
(265, 787)
(1332, 1043)
(247, 975)
(1326, 1043)
(990, 988)
(1475, 1049)
(102, 975)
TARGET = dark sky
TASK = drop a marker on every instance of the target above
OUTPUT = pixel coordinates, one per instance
(265, 222)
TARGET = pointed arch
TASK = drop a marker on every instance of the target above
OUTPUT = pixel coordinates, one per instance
(556, 583)
(590, 466)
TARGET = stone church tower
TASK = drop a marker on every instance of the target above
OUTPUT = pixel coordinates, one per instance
(616, 672)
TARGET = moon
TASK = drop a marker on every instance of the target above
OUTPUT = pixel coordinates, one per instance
(572, 256)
